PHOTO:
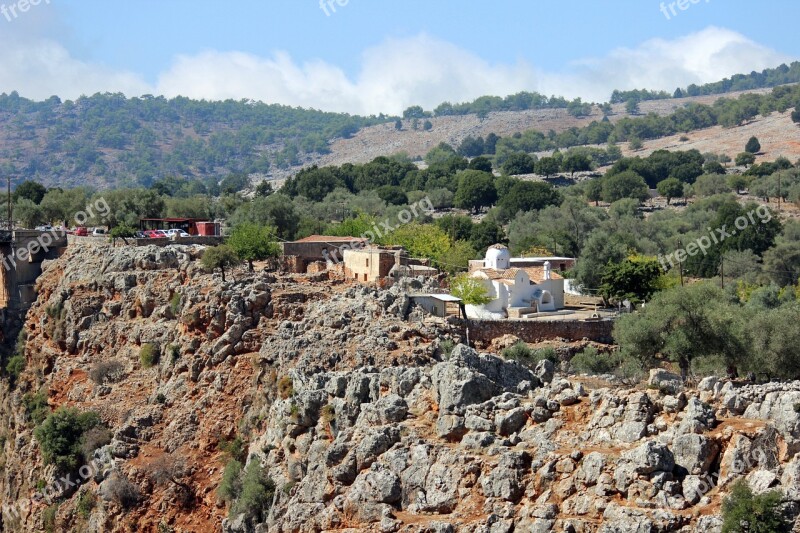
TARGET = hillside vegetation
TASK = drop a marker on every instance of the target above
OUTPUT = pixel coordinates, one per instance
(109, 141)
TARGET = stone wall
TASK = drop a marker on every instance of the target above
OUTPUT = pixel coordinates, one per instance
(540, 330)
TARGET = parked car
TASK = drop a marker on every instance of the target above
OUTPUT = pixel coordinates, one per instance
(178, 232)
(46, 227)
(160, 233)
(151, 234)
(80, 231)
(140, 235)
(98, 232)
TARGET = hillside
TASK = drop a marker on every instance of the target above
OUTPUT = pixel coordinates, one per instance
(384, 139)
(107, 141)
(362, 420)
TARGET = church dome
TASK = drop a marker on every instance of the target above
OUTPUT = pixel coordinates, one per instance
(498, 257)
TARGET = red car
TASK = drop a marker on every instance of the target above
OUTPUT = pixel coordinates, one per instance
(81, 232)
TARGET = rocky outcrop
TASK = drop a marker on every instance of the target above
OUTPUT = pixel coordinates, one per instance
(365, 414)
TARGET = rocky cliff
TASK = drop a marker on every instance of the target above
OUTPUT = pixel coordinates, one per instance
(352, 415)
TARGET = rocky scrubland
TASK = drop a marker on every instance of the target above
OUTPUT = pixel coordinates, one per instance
(285, 403)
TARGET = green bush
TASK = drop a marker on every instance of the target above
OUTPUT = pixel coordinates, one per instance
(446, 346)
(175, 303)
(36, 407)
(231, 485)
(743, 511)
(22, 338)
(15, 366)
(49, 518)
(235, 448)
(256, 494)
(86, 503)
(61, 436)
(148, 355)
(525, 354)
(590, 361)
(56, 328)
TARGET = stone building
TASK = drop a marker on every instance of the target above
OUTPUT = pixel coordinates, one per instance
(516, 292)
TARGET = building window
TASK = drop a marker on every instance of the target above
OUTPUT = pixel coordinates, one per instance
(365, 277)
(368, 262)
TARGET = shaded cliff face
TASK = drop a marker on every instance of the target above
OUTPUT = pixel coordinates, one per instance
(98, 310)
(360, 419)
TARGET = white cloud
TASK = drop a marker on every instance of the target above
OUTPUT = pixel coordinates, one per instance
(706, 56)
(393, 75)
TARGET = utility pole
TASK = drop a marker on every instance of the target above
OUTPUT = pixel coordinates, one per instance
(722, 270)
(680, 264)
(8, 191)
(779, 192)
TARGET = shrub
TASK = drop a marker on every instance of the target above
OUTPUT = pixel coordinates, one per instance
(160, 398)
(285, 387)
(107, 371)
(446, 346)
(256, 494)
(22, 337)
(60, 436)
(744, 511)
(36, 406)
(328, 413)
(175, 303)
(148, 355)
(86, 503)
(174, 353)
(123, 492)
(95, 438)
(231, 485)
(525, 354)
(49, 518)
(235, 448)
(55, 328)
(590, 361)
(15, 366)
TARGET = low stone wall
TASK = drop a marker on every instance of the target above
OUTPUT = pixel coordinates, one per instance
(540, 330)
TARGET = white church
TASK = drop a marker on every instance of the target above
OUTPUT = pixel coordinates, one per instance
(517, 292)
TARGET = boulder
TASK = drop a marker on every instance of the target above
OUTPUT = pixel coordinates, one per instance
(695, 453)
(650, 457)
(664, 381)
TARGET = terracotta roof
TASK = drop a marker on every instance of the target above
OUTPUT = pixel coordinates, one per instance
(324, 238)
(493, 273)
(537, 273)
(534, 273)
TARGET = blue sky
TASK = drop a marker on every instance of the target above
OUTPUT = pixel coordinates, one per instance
(375, 55)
